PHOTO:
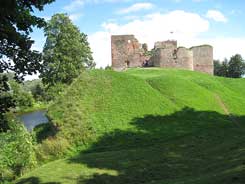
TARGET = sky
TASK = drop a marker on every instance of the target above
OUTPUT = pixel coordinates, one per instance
(220, 23)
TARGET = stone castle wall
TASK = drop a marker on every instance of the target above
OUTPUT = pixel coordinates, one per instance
(127, 52)
(184, 59)
(203, 59)
(163, 53)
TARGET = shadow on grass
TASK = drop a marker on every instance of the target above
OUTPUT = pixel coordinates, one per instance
(44, 131)
(34, 180)
(185, 147)
(194, 147)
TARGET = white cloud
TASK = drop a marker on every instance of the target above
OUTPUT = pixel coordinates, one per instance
(75, 16)
(216, 16)
(226, 47)
(101, 48)
(136, 7)
(75, 4)
(46, 18)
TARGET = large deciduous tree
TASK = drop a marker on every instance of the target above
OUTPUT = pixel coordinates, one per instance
(16, 24)
(65, 52)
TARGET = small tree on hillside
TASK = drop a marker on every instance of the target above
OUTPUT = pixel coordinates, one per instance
(221, 68)
(217, 68)
(66, 51)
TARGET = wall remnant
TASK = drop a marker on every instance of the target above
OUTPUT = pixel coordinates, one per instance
(127, 52)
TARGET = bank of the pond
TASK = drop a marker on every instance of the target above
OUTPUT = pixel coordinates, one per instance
(36, 107)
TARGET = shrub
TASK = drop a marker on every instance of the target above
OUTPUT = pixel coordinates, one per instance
(17, 151)
(52, 148)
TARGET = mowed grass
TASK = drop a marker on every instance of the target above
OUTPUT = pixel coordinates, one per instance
(149, 126)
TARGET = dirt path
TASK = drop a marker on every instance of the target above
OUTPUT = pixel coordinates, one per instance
(221, 103)
(226, 110)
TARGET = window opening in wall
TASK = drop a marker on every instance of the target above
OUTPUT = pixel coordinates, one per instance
(175, 54)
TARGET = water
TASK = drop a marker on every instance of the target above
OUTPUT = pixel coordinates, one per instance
(30, 120)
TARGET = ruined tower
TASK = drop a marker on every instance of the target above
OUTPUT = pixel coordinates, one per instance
(126, 52)
(203, 59)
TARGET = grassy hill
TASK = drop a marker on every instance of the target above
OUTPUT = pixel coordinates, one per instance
(154, 126)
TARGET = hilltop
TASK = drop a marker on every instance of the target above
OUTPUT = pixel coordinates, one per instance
(153, 126)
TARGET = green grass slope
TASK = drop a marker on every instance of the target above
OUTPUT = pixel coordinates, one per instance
(154, 126)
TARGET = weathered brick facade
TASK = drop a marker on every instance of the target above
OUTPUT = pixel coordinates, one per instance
(127, 52)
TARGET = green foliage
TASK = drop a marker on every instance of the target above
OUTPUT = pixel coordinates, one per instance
(17, 23)
(6, 101)
(37, 89)
(108, 67)
(52, 148)
(221, 68)
(145, 47)
(53, 92)
(17, 151)
(234, 68)
(38, 92)
(66, 51)
(149, 126)
(21, 97)
(94, 102)
(44, 131)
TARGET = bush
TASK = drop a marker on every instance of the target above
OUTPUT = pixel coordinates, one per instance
(17, 151)
(52, 148)
(44, 131)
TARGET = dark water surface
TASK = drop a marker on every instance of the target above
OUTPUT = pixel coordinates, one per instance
(30, 120)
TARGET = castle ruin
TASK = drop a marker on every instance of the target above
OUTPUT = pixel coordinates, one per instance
(127, 52)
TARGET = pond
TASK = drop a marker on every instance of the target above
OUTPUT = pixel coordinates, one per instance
(30, 120)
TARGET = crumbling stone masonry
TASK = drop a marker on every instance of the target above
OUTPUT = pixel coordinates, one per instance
(127, 52)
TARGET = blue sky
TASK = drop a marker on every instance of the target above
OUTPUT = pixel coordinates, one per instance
(220, 23)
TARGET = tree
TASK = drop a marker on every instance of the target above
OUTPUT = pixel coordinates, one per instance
(6, 101)
(217, 67)
(65, 52)
(21, 97)
(236, 66)
(108, 67)
(145, 47)
(221, 68)
(16, 24)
